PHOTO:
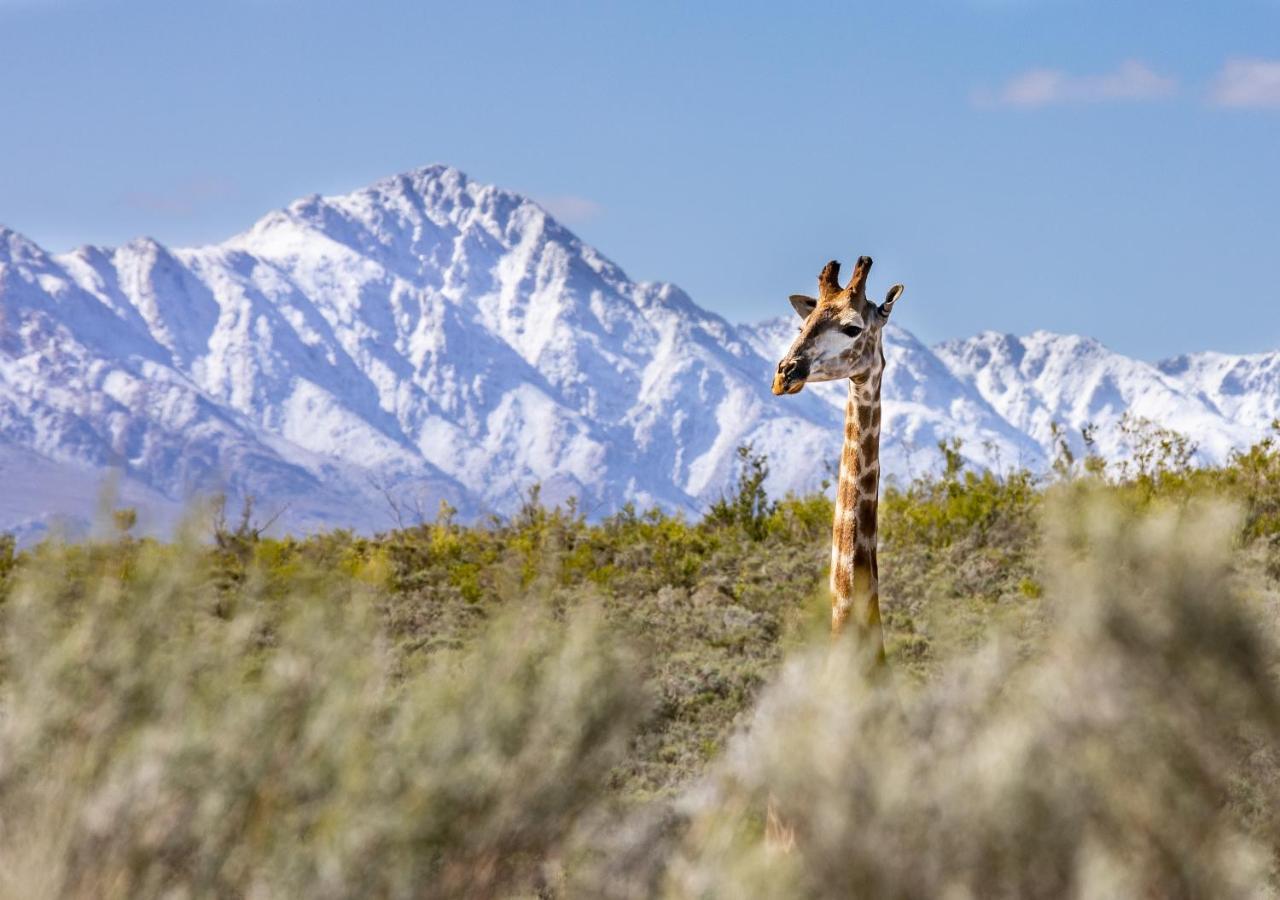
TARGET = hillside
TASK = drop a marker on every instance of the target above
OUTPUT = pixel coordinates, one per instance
(431, 338)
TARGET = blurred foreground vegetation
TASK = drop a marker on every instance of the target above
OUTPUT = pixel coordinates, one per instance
(1084, 699)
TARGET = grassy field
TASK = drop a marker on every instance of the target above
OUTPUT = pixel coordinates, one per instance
(1083, 700)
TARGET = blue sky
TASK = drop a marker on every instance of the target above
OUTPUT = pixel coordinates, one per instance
(1110, 168)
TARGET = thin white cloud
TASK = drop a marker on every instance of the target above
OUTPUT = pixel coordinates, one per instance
(1247, 84)
(1131, 82)
(571, 209)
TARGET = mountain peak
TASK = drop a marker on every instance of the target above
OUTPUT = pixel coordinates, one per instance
(18, 248)
(433, 337)
(399, 210)
(435, 185)
(432, 173)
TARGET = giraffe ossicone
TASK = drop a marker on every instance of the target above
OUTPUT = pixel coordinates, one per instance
(842, 337)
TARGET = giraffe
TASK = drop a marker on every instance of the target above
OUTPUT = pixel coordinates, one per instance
(842, 338)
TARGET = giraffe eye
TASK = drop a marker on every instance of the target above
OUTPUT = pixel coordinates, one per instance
(851, 330)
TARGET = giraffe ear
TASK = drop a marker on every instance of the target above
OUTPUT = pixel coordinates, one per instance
(803, 305)
(891, 298)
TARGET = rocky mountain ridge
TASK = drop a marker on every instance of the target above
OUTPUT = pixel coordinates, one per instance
(431, 338)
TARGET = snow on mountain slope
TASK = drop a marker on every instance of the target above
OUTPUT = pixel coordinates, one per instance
(426, 335)
(497, 346)
(86, 384)
(430, 338)
(1245, 389)
(923, 404)
(1044, 378)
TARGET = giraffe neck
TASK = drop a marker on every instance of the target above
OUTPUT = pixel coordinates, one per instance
(855, 591)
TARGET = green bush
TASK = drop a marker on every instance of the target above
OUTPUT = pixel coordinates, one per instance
(1132, 755)
(537, 704)
(748, 507)
(152, 746)
(8, 556)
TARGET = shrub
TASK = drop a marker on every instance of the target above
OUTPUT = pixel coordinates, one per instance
(1122, 759)
(8, 555)
(149, 747)
(748, 507)
(452, 709)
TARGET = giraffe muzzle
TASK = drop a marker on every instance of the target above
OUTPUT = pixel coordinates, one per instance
(790, 376)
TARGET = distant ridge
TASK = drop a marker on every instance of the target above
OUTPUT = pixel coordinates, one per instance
(429, 337)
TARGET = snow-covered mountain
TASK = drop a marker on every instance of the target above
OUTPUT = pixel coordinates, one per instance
(1220, 402)
(432, 338)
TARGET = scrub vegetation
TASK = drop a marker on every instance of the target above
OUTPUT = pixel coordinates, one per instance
(1083, 699)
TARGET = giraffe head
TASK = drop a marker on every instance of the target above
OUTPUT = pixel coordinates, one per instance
(840, 337)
